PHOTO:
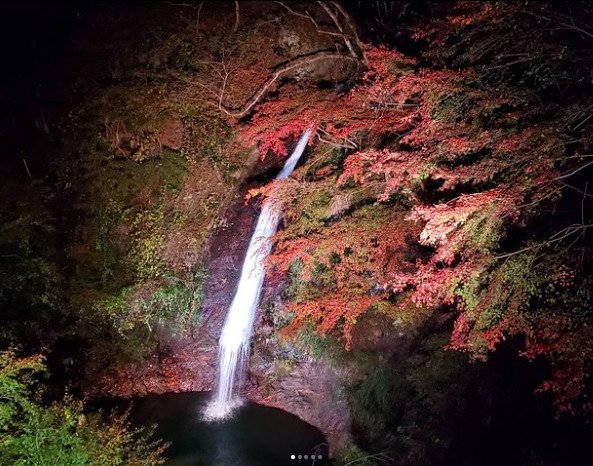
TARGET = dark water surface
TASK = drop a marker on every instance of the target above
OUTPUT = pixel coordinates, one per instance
(256, 436)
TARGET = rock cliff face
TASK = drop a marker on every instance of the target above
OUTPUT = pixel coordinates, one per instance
(314, 384)
(307, 388)
(188, 361)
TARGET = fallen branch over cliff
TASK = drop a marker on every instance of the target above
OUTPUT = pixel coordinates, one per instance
(280, 70)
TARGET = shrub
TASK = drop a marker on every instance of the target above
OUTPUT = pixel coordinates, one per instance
(33, 434)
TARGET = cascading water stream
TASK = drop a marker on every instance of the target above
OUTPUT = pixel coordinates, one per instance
(233, 346)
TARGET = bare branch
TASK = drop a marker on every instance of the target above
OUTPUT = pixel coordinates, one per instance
(555, 238)
(346, 144)
(352, 28)
(334, 18)
(307, 16)
(224, 78)
(571, 26)
(341, 34)
(377, 457)
(573, 172)
(574, 188)
(198, 19)
(28, 171)
(237, 17)
(583, 203)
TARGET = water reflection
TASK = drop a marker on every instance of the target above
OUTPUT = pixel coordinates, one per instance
(256, 436)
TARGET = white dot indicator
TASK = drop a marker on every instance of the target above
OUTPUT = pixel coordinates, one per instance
(306, 457)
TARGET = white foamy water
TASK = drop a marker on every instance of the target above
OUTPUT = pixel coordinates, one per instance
(233, 346)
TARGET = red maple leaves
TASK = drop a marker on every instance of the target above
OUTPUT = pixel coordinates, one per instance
(466, 160)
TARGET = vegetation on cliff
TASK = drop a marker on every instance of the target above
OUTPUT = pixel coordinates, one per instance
(445, 199)
(450, 179)
(35, 434)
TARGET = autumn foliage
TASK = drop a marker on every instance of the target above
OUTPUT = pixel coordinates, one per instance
(457, 168)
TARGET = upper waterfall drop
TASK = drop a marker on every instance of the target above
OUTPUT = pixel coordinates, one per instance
(233, 346)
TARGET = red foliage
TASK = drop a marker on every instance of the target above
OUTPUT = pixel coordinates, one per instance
(354, 263)
(330, 311)
(465, 13)
(443, 222)
(568, 348)
(372, 104)
(468, 169)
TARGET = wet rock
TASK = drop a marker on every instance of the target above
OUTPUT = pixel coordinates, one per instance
(290, 40)
(170, 134)
(307, 389)
(191, 366)
(339, 205)
(283, 377)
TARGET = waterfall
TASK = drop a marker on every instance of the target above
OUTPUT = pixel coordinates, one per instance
(233, 346)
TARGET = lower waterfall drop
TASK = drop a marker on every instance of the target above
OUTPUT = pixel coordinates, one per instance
(234, 343)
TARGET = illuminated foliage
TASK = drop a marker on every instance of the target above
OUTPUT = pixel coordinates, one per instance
(341, 118)
(460, 163)
(342, 266)
(33, 434)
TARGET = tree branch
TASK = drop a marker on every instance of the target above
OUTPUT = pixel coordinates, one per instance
(237, 17)
(198, 19)
(573, 172)
(279, 71)
(347, 144)
(352, 28)
(358, 55)
(308, 16)
(555, 238)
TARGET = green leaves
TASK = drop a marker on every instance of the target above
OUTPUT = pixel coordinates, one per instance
(32, 434)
